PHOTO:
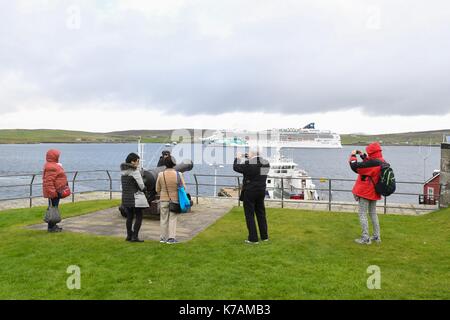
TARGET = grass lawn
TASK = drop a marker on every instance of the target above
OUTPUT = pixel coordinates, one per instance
(311, 255)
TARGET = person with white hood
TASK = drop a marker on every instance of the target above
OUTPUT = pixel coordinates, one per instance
(133, 197)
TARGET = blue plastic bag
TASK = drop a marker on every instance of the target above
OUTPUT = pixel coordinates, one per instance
(183, 200)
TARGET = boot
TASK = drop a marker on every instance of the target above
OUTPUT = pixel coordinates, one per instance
(135, 238)
(55, 229)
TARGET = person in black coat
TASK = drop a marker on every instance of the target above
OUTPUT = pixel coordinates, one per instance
(255, 170)
(133, 196)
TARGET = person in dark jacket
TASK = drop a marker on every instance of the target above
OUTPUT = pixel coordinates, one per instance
(255, 170)
(368, 171)
(165, 154)
(133, 197)
(54, 179)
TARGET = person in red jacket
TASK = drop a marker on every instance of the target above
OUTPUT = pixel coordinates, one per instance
(54, 179)
(368, 171)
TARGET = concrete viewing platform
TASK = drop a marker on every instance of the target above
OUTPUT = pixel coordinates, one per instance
(109, 222)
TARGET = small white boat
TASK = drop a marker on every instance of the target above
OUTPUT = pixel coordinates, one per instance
(296, 183)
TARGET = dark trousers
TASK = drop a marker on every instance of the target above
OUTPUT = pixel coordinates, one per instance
(132, 231)
(254, 204)
(55, 203)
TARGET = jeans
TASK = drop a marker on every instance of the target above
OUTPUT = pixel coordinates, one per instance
(368, 206)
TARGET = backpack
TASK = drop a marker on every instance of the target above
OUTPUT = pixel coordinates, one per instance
(386, 183)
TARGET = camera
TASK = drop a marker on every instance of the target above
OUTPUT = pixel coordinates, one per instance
(246, 155)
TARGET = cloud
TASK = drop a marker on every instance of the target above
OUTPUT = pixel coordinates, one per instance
(203, 57)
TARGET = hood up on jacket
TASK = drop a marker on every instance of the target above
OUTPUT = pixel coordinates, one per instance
(374, 151)
(53, 155)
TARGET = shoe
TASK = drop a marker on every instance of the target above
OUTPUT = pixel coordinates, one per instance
(266, 240)
(363, 240)
(162, 240)
(135, 237)
(128, 239)
(251, 242)
(171, 241)
(55, 229)
(375, 239)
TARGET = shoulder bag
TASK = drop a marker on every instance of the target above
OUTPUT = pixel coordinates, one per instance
(183, 199)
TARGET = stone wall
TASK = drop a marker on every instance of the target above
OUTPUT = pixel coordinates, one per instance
(445, 175)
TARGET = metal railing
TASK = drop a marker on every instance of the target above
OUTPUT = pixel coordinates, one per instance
(330, 189)
(31, 185)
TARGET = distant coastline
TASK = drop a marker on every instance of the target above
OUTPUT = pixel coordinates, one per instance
(38, 136)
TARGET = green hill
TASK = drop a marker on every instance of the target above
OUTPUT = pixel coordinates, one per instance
(11, 136)
(405, 139)
(65, 136)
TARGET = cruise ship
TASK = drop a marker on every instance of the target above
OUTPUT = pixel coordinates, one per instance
(306, 137)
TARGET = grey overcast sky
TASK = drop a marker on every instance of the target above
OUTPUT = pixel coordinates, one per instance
(348, 65)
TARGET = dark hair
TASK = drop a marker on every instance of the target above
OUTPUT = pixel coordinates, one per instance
(166, 153)
(132, 157)
(169, 162)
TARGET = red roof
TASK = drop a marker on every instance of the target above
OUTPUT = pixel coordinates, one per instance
(432, 178)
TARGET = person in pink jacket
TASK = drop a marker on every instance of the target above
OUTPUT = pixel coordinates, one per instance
(54, 180)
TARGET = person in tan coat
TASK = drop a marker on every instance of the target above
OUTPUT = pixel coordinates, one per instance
(167, 188)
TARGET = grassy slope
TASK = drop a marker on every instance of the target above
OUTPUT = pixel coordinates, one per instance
(409, 138)
(311, 256)
(64, 136)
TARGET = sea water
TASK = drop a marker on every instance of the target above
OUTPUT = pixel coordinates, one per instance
(410, 164)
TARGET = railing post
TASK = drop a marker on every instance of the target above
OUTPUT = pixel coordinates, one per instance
(31, 190)
(73, 186)
(196, 187)
(239, 191)
(282, 192)
(385, 202)
(110, 184)
(329, 194)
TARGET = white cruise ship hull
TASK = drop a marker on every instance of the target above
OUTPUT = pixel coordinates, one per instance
(297, 144)
(282, 144)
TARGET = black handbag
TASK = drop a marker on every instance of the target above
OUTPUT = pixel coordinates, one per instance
(173, 206)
